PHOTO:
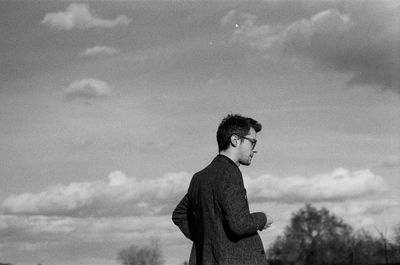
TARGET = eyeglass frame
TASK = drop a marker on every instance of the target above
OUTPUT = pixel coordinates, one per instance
(252, 141)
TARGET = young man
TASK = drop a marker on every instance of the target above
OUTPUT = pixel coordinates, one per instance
(214, 213)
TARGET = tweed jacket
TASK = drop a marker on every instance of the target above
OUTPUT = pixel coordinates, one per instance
(215, 215)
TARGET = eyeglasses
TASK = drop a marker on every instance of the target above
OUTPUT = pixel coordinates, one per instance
(252, 141)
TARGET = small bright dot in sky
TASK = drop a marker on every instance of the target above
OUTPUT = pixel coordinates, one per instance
(236, 25)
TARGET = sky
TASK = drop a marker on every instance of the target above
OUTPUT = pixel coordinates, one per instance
(107, 108)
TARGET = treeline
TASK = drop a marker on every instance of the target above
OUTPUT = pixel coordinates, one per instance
(317, 237)
(141, 255)
(313, 237)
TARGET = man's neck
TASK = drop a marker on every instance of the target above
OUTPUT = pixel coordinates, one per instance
(231, 156)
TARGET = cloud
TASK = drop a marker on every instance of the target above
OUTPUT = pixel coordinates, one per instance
(363, 208)
(229, 17)
(33, 237)
(98, 50)
(78, 15)
(360, 38)
(88, 89)
(339, 185)
(119, 196)
(43, 228)
(364, 213)
(392, 161)
(127, 196)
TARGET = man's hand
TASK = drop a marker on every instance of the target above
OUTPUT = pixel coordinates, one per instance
(269, 222)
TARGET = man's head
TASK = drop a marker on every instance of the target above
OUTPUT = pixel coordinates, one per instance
(238, 133)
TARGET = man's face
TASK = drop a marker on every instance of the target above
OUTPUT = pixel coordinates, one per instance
(246, 147)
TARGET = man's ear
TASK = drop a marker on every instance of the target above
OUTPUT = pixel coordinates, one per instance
(234, 140)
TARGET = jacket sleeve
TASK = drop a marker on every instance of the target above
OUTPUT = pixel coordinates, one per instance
(234, 204)
(180, 216)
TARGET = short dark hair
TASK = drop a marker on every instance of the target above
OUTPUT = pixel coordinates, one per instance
(234, 124)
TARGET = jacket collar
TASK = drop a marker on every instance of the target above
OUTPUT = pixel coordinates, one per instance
(226, 159)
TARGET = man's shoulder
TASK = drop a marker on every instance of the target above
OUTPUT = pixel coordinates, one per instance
(219, 166)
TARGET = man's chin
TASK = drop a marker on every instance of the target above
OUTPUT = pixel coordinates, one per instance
(246, 163)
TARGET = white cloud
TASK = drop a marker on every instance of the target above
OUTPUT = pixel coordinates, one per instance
(229, 17)
(360, 39)
(338, 185)
(99, 50)
(120, 196)
(78, 15)
(87, 89)
(363, 208)
(365, 213)
(127, 196)
(58, 237)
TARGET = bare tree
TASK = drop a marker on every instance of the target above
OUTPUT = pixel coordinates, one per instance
(366, 249)
(141, 255)
(385, 245)
(396, 231)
